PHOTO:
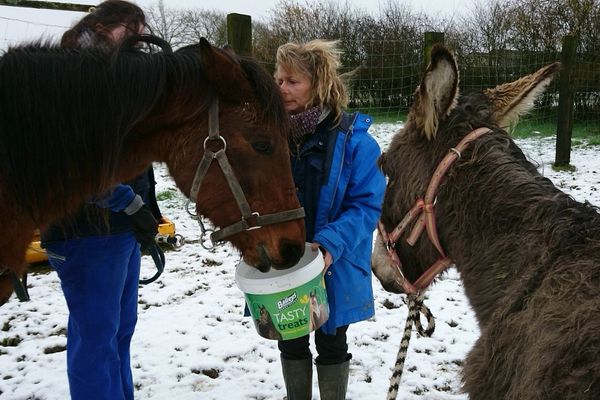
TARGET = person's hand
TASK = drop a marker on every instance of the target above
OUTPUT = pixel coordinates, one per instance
(326, 255)
(144, 226)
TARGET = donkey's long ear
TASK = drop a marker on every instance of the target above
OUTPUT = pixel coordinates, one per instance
(223, 70)
(511, 100)
(437, 94)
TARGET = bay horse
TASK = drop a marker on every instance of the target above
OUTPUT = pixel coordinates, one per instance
(74, 122)
(528, 254)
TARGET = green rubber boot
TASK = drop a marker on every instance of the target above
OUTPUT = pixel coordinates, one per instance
(333, 380)
(297, 375)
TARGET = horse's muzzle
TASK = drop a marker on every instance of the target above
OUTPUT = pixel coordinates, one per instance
(289, 251)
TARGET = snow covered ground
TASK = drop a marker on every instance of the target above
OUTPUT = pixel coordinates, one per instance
(192, 341)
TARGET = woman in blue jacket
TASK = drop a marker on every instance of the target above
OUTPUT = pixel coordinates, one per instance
(96, 252)
(341, 189)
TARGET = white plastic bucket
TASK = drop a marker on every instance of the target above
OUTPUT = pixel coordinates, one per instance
(286, 304)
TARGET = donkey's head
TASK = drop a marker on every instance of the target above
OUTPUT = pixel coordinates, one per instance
(438, 120)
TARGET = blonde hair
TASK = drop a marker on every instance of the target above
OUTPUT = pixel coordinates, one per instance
(320, 61)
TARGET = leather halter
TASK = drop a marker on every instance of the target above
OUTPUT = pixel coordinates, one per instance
(250, 220)
(424, 210)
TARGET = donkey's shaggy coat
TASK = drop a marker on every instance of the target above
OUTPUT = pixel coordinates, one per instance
(528, 254)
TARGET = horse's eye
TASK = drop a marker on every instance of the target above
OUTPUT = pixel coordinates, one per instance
(262, 147)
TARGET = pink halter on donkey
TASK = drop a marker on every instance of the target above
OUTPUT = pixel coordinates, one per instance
(425, 211)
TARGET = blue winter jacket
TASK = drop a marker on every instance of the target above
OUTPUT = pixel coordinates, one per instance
(341, 189)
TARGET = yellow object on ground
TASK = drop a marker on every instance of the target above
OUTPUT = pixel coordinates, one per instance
(36, 254)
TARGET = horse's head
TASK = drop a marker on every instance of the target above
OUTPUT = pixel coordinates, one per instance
(238, 102)
(439, 118)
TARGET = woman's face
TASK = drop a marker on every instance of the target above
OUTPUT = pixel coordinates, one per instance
(295, 88)
(120, 32)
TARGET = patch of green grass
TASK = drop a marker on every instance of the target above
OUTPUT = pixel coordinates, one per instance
(380, 117)
(530, 128)
(594, 141)
(55, 349)
(389, 118)
(576, 142)
(165, 195)
(569, 167)
(11, 341)
(534, 128)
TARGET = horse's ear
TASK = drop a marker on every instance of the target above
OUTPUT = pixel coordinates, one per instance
(437, 94)
(223, 70)
(511, 100)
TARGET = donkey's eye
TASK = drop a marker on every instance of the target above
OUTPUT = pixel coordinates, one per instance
(262, 147)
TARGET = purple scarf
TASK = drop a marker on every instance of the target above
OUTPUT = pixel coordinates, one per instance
(304, 123)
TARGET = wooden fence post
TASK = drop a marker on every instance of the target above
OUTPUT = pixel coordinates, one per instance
(431, 38)
(239, 33)
(566, 96)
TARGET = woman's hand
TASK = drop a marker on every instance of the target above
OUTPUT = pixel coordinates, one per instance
(326, 255)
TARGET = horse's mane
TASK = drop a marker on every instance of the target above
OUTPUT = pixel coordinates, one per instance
(265, 91)
(65, 114)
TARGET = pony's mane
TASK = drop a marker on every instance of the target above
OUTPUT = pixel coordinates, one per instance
(66, 113)
(64, 116)
(265, 91)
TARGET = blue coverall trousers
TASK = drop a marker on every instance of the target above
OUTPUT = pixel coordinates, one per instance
(99, 278)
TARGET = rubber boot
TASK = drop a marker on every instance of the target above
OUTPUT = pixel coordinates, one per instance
(333, 380)
(297, 375)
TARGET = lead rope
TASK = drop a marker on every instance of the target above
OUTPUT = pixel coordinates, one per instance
(19, 285)
(416, 307)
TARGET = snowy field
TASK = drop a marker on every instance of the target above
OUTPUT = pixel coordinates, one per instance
(192, 341)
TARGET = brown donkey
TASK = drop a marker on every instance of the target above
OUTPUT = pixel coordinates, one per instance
(528, 254)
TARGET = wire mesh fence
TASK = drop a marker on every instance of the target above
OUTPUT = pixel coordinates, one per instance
(381, 76)
(385, 74)
(386, 78)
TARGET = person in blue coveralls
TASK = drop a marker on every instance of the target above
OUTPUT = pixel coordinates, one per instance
(334, 165)
(96, 252)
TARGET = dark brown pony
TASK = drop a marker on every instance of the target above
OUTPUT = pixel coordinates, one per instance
(266, 326)
(528, 254)
(73, 123)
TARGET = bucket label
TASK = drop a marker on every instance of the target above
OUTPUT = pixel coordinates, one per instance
(287, 301)
(291, 313)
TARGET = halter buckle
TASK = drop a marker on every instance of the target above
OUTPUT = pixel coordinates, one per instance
(389, 245)
(252, 227)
